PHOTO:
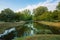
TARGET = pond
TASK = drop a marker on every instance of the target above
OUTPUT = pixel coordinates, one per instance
(12, 33)
(28, 29)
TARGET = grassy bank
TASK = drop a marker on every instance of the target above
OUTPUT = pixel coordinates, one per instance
(41, 37)
(55, 24)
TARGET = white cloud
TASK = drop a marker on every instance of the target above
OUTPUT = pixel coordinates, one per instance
(48, 3)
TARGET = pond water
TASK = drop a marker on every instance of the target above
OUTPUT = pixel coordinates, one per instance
(7, 32)
(13, 32)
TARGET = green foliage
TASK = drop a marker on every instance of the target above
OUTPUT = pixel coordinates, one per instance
(19, 16)
(58, 6)
(26, 15)
(40, 10)
(7, 15)
(42, 14)
(55, 15)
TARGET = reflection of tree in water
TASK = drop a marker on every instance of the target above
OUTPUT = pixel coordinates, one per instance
(8, 34)
(42, 29)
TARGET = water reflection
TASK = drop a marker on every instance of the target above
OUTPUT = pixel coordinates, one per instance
(13, 33)
(31, 29)
(28, 29)
(8, 34)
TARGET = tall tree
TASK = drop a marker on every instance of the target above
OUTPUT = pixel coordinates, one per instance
(58, 6)
(40, 10)
(55, 15)
(7, 15)
(26, 15)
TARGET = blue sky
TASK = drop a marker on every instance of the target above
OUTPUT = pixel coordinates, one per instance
(21, 4)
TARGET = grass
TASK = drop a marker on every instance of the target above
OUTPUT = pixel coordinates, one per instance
(52, 24)
(41, 37)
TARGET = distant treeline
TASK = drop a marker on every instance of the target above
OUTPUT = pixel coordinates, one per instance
(41, 13)
(8, 15)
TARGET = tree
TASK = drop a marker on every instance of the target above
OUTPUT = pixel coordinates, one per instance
(17, 16)
(7, 15)
(58, 10)
(26, 15)
(39, 13)
(40, 10)
(55, 15)
(58, 6)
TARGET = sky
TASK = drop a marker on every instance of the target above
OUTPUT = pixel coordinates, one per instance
(20, 5)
